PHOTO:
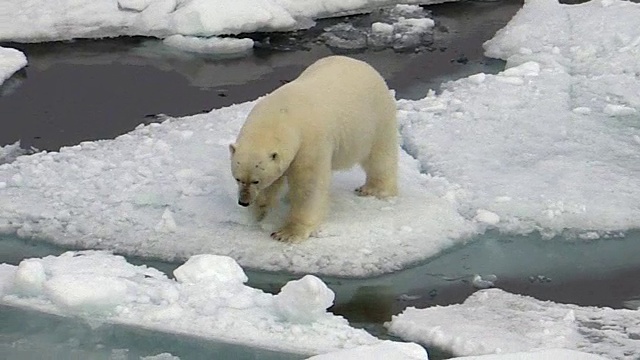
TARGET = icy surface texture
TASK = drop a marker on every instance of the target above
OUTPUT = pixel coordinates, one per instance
(208, 299)
(42, 20)
(493, 321)
(11, 60)
(166, 191)
(402, 28)
(213, 45)
(563, 354)
(385, 350)
(9, 153)
(552, 144)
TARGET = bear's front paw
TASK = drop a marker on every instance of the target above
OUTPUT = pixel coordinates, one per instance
(291, 234)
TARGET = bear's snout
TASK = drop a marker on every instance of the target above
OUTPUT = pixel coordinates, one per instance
(243, 203)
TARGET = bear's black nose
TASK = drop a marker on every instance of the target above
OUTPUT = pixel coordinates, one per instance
(242, 203)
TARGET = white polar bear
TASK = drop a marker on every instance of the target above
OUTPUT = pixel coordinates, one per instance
(337, 113)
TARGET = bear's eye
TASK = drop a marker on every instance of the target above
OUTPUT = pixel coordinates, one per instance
(255, 182)
(238, 180)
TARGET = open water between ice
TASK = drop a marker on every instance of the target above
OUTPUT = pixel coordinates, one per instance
(76, 90)
(584, 272)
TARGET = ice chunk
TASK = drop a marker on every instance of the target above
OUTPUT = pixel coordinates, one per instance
(211, 269)
(383, 28)
(487, 217)
(163, 356)
(345, 36)
(618, 110)
(305, 300)
(213, 45)
(29, 278)
(403, 27)
(11, 60)
(480, 282)
(563, 354)
(386, 350)
(209, 300)
(494, 321)
(86, 293)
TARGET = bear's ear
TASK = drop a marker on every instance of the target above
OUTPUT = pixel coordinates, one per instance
(232, 149)
(274, 156)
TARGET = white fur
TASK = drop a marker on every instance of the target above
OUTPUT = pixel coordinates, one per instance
(337, 113)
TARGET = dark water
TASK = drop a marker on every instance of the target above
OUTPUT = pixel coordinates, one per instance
(89, 90)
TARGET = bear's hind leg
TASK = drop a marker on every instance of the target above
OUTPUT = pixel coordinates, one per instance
(381, 167)
(266, 198)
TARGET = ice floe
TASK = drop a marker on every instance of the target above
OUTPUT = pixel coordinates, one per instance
(496, 322)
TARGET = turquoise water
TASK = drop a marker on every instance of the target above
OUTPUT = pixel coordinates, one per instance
(29, 335)
(594, 272)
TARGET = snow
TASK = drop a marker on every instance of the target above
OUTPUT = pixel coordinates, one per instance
(103, 288)
(531, 159)
(303, 300)
(385, 350)
(11, 60)
(548, 145)
(494, 321)
(41, 20)
(538, 355)
(166, 191)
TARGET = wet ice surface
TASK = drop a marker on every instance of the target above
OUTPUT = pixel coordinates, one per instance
(207, 299)
(402, 28)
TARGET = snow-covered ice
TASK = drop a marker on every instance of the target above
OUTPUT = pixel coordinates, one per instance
(166, 191)
(41, 20)
(11, 60)
(208, 299)
(385, 350)
(519, 162)
(549, 144)
(494, 321)
(554, 354)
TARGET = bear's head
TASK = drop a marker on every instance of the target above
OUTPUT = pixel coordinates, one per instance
(254, 170)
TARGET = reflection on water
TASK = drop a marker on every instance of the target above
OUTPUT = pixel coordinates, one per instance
(584, 272)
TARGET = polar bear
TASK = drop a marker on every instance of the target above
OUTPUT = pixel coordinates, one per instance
(337, 113)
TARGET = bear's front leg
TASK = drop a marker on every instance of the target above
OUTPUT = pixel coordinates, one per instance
(309, 198)
(266, 198)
